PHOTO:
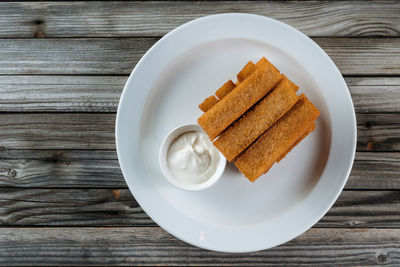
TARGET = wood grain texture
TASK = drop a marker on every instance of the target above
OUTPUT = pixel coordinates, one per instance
(72, 56)
(117, 207)
(359, 52)
(364, 209)
(54, 172)
(375, 94)
(60, 169)
(100, 169)
(155, 18)
(376, 131)
(153, 246)
(53, 130)
(70, 207)
(118, 56)
(101, 93)
(375, 170)
(60, 93)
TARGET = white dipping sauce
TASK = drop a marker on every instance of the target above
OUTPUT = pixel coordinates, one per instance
(192, 158)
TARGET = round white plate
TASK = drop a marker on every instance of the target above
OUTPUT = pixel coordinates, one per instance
(235, 215)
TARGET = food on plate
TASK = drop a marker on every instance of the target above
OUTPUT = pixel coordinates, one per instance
(239, 100)
(225, 89)
(264, 61)
(278, 140)
(246, 71)
(237, 137)
(191, 158)
(258, 120)
(208, 103)
(308, 130)
(292, 84)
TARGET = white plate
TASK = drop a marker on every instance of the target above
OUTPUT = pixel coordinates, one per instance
(235, 215)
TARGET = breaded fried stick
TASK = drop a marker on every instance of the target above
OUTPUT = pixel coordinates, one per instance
(240, 99)
(237, 137)
(278, 140)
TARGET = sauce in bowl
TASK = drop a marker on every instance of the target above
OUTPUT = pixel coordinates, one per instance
(189, 160)
(192, 158)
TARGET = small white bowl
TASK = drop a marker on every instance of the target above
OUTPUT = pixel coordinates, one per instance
(164, 166)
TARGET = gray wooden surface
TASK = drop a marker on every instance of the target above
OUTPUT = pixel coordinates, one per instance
(63, 200)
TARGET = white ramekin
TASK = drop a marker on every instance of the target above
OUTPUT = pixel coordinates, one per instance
(164, 166)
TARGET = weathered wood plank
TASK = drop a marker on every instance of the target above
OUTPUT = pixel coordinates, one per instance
(100, 169)
(364, 209)
(72, 56)
(375, 94)
(153, 246)
(54, 130)
(102, 93)
(376, 132)
(60, 168)
(63, 155)
(375, 170)
(61, 93)
(70, 207)
(54, 172)
(117, 207)
(155, 18)
(118, 56)
(359, 52)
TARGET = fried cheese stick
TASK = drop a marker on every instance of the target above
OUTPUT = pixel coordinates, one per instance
(240, 99)
(237, 137)
(277, 140)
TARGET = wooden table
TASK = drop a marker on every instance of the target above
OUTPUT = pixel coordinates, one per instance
(63, 200)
